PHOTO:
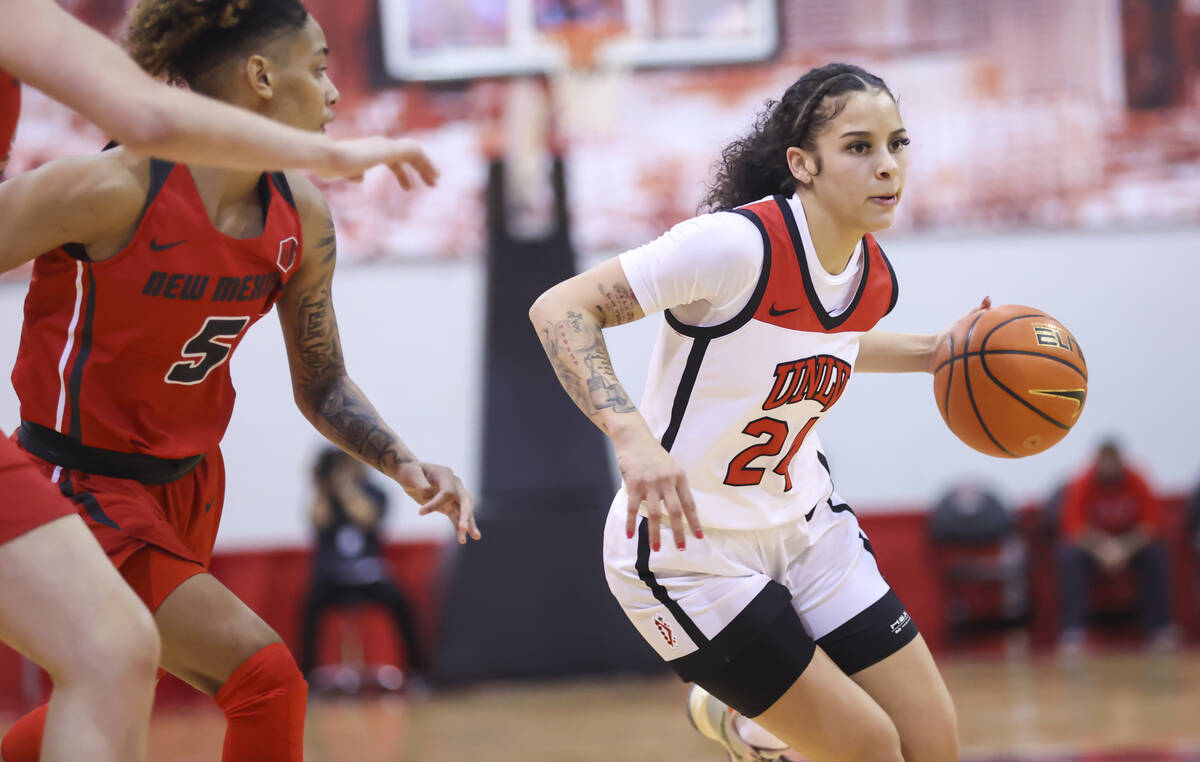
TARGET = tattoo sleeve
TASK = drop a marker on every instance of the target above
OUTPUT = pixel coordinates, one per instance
(330, 398)
(617, 306)
(575, 346)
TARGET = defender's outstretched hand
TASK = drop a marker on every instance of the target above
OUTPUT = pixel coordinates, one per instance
(439, 490)
(404, 156)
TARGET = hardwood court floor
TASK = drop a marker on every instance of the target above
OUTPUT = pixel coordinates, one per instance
(1132, 704)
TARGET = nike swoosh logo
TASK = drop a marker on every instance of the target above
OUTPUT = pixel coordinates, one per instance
(777, 313)
(1078, 396)
(156, 246)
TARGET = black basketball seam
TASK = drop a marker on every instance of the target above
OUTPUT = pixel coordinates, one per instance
(1027, 352)
(971, 394)
(1010, 392)
(949, 381)
(998, 326)
(1014, 395)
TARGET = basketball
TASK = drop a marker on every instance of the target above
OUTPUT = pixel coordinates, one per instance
(1010, 381)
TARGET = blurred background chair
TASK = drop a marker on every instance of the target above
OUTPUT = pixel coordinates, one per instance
(982, 559)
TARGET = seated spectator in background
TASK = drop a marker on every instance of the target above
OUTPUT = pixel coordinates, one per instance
(1111, 520)
(347, 512)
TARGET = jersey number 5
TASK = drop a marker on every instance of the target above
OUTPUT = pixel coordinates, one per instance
(206, 350)
(741, 474)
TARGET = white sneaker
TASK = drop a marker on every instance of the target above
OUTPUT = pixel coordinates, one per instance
(715, 720)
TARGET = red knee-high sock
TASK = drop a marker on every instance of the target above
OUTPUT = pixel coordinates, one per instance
(264, 702)
(23, 741)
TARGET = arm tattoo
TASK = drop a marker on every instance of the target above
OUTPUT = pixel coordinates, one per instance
(618, 306)
(579, 356)
(328, 242)
(350, 419)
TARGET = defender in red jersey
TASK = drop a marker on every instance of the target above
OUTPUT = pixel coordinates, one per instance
(143, 287)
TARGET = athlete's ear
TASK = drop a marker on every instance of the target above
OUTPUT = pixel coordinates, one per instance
(258, 76)
(802, 164)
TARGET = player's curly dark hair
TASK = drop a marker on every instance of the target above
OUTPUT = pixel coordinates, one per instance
(181, 39)
(755, 165)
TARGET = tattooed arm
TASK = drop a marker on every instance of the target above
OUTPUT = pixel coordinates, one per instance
(569, 320)
(326, 394)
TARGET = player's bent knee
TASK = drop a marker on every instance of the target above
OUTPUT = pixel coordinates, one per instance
(117, 655)
(876, 744)
(940, 745)
(270, 672)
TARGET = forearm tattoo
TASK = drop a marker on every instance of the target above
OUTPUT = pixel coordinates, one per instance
(579, 356)
(350, 419)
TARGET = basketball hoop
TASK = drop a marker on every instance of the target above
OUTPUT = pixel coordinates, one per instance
(583, 40)
(587, 84)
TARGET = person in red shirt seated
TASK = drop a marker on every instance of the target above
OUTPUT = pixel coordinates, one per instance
(1111, 520)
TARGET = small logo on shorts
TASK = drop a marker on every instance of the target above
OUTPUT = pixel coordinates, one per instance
(664, 629)
(900, 623)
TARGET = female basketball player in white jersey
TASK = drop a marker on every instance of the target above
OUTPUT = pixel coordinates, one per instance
(777, 610)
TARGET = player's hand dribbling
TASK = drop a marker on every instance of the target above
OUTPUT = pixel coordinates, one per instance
(439, 490)
(404, 156)
(986, 304)
(653, 477)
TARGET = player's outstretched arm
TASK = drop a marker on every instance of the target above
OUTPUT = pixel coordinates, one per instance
(569, 320)
(883, 352)
(45, 46)
(326, 394)
(83, 200)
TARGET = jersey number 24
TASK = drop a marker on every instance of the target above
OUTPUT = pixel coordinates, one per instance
(741, 474)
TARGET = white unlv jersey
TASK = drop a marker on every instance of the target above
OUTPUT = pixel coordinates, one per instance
(736, 403)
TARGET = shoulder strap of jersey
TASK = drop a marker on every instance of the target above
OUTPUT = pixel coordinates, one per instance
(747, 312)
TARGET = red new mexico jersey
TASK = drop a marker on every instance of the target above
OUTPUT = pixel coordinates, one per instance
(131, 354)
(10, 109)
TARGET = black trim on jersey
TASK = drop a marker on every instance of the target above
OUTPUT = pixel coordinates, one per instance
(76, 251)
(81, 357)
(279, 180)
(159, 172)
(264, 195)
(824, 463)
(841, 508)
(660, 592)
(866, 543)
(741, 633)
(88, 501)
(827, 322)
(683, 392)
(68, 453)
(891, 271)
(747, 312)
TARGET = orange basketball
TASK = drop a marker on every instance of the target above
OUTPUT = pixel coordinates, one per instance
(1010, 381)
